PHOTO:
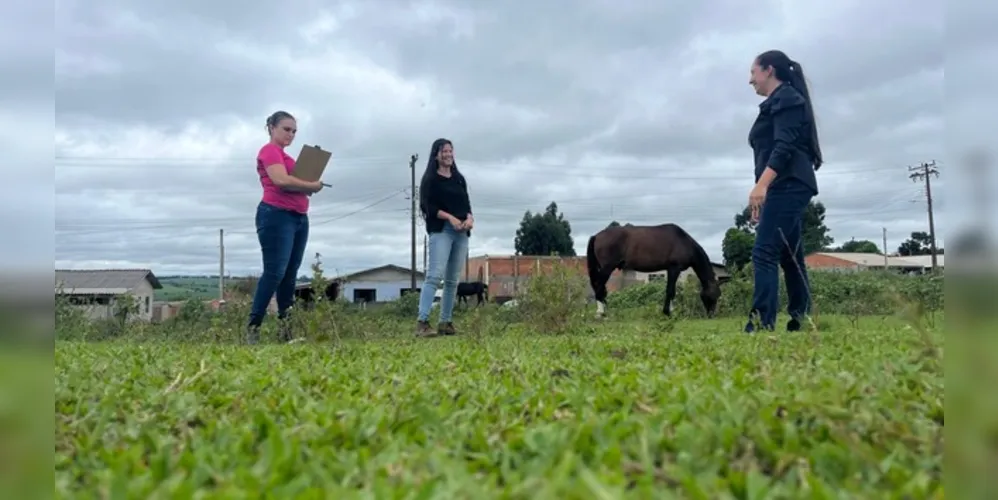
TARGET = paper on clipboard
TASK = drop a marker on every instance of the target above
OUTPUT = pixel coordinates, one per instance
(311, 163)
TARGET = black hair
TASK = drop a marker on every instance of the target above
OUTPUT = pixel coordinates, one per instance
(790, 71)
(431, 169)
(276, 118)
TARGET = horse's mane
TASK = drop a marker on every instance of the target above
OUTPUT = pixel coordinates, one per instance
(702, 265)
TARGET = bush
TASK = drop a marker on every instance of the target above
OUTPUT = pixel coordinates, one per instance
(851, 294)
(554, 301)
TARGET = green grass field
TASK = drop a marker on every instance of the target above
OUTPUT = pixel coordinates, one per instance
(624, 409)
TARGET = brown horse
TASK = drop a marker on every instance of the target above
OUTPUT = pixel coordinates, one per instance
(648, 249)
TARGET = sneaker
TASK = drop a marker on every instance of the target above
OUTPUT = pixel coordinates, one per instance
(252, 334)
(793, 325)
(446, 328)
(423, 330)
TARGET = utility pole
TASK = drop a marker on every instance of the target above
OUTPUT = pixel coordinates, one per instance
(221, 265)
(412, 195)
(885, 248)
(924, 172)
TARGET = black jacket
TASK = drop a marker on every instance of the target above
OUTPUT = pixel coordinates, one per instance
(449, 194)
(781, 138)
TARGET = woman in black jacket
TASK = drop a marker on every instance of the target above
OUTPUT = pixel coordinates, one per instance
(784, 140)
(446, 207)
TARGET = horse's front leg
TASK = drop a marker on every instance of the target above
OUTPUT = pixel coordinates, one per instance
(670, 291)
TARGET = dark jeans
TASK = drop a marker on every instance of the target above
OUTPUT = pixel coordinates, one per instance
(283, 235)
(778, 242)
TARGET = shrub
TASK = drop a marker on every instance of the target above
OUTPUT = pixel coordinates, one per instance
(553, 301)
(852, 294)
(550, 302)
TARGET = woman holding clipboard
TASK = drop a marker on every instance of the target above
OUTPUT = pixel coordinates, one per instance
(281, 225)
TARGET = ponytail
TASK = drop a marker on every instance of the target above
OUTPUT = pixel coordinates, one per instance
(790, 71)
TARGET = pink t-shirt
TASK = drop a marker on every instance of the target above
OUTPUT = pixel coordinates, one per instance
(271, 154)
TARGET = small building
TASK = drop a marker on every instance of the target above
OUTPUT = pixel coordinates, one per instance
(97, 292)
(379, 284)
(852, 261)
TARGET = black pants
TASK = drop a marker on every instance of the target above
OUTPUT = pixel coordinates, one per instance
(778, 243)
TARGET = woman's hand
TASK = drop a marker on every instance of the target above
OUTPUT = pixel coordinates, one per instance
(469, 222)
(315, 186)
(756, 198)
(456, 223)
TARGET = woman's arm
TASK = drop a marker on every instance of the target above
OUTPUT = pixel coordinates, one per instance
(278, 174)
(273, 161)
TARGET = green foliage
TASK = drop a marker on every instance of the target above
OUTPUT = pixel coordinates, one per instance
(920, 243)
(737, 248)
(858, 246)
(625, 412)
(546, 233)
(849, 294)
(633, 405)
(554, 301)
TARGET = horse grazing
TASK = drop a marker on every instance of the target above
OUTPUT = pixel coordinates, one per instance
(308, 298)
(648, 249)
(477, 288)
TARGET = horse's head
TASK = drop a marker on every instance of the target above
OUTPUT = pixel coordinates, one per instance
(710, 295)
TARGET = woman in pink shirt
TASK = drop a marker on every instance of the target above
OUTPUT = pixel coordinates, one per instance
(281, 225)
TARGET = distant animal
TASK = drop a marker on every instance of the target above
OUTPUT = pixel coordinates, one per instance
(648, 249)
(477, 288)
(307, 295)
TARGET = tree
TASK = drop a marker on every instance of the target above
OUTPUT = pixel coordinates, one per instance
(738, 241)
(613, 224)
(737, 248)
(546, 233)
(920, 243)
(858, 246)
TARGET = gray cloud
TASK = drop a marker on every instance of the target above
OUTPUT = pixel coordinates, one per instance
(637, 112)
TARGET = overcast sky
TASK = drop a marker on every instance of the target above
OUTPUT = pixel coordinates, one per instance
(636, 111)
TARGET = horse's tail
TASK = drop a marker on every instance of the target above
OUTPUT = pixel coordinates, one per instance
(592, 263)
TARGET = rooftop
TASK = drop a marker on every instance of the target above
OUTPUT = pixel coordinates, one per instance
(104, 279)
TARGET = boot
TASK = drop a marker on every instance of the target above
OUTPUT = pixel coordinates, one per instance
(284, 330)
(446, 328)
(424, 330)
(252, 334)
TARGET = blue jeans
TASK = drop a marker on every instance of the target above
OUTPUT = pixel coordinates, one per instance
(778, 242)
(448, 250)
(283, 235)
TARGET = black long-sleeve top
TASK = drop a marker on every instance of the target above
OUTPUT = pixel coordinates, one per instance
(781, 138)
(449, 194)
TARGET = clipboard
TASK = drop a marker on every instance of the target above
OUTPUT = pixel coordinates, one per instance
(311, 163)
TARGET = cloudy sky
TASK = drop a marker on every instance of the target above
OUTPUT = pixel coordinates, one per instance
(635, 111)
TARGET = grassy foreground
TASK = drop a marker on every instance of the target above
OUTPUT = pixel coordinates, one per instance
(627, 410)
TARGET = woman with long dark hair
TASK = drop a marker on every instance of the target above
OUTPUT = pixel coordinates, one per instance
(281, 225)
(446, 208)
(784, 140)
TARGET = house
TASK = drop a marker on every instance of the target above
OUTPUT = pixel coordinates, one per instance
(97, 291)
(851, 261)
(379, 284)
